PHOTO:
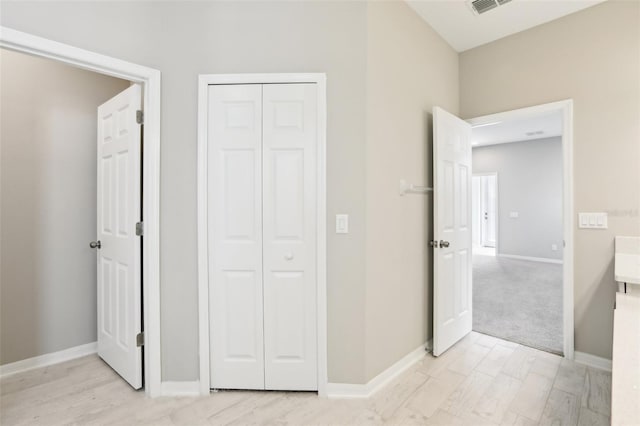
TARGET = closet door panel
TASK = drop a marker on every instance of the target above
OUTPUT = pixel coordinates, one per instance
(235, 237)
(289, 214)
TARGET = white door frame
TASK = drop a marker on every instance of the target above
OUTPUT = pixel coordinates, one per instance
(204, 80)
(149, 78)
(565, 107)
(497, 221)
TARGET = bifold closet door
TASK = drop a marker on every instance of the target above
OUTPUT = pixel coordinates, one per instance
(262, 143)
(289, 236)
(235, 237)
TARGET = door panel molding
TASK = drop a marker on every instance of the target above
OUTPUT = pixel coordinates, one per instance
(288, 116)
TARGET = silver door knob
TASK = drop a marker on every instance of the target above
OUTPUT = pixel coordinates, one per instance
(444, 243)
(288, 256)
(95, 244)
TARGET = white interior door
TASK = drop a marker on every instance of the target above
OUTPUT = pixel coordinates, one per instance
(119, 253)
(289, 165)
(235, 237)
(489, 201)
(452, 314)
(477, 213)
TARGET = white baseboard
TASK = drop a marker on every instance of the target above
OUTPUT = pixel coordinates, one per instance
(592, 361)
(180, 388)
(532, 259)
(348, 390)
(48, 359)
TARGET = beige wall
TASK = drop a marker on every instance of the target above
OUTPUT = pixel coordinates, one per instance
(592, 57)
(184, 39)
(47, 204)
(410, 69)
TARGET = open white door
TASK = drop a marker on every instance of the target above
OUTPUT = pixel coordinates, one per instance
(452, 315)
(119, 250)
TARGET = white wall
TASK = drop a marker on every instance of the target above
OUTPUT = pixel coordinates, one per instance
(530, 184)
(48, 204)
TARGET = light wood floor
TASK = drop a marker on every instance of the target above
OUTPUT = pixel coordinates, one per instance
(480, 381)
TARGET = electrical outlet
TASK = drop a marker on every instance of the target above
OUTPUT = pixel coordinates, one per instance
(554, 247)
(514, 215)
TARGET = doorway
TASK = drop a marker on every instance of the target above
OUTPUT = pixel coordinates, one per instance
(453, 220)
(518, 275)
(149, 81)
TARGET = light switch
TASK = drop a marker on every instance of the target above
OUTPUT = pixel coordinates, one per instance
(514, 215)
(596, 220)
(342, 224)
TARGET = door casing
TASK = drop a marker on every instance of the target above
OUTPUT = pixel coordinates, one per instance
(204, 80)
(149, 78)
(565, 107)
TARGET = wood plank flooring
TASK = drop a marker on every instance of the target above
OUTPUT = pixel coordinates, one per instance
(482, 380)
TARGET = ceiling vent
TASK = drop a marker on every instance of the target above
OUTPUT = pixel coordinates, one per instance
(482, 6)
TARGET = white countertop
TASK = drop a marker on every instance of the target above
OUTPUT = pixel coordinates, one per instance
(627, 260)
(625, 392)
(627, 268)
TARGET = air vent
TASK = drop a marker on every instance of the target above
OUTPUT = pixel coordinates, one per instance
(482, 6)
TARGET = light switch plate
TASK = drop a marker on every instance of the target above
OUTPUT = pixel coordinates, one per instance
(342, 224)
(592, 220)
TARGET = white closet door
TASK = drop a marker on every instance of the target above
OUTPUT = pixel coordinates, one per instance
(235, 237)
(289, 205)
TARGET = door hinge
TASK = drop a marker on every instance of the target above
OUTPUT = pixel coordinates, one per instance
(140, 339)
(139, 228)
(139, 117)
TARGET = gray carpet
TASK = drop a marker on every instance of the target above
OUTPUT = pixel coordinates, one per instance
(518, 300)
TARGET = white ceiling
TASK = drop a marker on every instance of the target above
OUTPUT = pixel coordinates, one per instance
(550, 124)
(463, 30)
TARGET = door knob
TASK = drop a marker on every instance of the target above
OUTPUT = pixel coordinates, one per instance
(288, 256)
(444, 243)
(95, 244)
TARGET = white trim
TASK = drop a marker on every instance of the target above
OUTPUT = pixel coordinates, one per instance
(348, 390)
(592, 361)
(532, 259)
(180, 388)
(204, 80)
(149, 78)
(566, 108)
(48, 359)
